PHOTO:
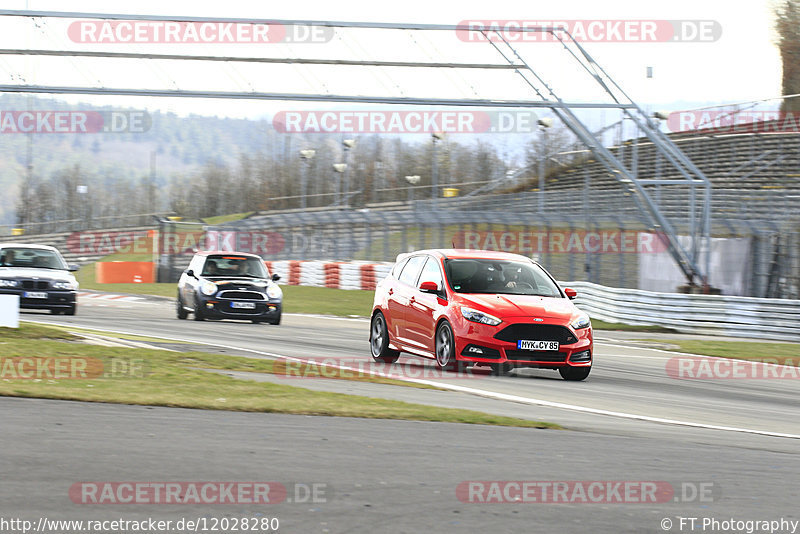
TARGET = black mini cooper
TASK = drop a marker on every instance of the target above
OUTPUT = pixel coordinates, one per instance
(40, 276)
(229, 285)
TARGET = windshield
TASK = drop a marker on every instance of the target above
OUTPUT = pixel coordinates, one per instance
(32, 258)
(233, 265)
(498, 276)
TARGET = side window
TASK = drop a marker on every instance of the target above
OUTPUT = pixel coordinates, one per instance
(399, 267)
(431, 272)
(411, 270)
(196, 264)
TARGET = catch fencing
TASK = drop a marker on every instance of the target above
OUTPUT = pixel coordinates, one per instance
(603, 241)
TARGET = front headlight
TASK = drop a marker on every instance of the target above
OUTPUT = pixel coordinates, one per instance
(208, 288)
(274, 292)
(479, 317)
(9, 283)
(64, 285)
(581, 322)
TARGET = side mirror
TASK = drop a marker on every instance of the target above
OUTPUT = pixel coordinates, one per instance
(429, 287)
(72, 267)
(276, 277)
(190, 272)
(570, 293)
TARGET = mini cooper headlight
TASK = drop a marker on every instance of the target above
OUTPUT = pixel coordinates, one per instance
(208, 288)
(9, 283)
(64, 285)
(274, 292)
(581, 322)
(479, 317)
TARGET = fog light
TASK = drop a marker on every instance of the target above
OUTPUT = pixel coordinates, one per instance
(583, 356)
(480, 352)
(209, 305)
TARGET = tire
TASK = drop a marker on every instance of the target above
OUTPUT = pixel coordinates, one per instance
(574, 373)
(71, 310)
(180, 310)
(445, 348)
(379, 341)
(501, 369)
(277, 320)
(198, 311)
(55, 311)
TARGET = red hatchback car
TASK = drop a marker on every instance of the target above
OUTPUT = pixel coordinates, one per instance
(495, 308)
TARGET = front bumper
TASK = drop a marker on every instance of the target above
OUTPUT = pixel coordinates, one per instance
(217, 308)
(476, 343)
(56, 299)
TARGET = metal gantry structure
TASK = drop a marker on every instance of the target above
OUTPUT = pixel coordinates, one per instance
(681, 173)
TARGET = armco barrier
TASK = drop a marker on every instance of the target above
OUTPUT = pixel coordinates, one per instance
(766, 319)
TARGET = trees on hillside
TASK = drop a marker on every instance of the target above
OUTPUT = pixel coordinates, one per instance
(788, 27)
(268, 179)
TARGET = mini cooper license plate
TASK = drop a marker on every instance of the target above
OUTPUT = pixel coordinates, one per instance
(527, 344)
(244, 305)
(35, 295)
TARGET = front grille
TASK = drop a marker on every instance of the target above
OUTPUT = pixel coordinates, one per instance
(536, 356)
(241, 295)
(35, 284)
(537, 332)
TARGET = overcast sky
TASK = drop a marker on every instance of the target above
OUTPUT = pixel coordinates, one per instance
(742, 63)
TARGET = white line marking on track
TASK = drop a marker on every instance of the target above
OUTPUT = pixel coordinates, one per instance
(469, 390)
(110, 296)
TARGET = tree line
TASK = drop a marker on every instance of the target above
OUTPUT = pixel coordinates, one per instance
(272, 178)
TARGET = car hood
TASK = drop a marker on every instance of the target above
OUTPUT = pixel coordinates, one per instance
(41, 274)
(237, 283)
(504, 306)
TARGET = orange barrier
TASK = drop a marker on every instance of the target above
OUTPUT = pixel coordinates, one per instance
(368, 280)
(331, 275)
(294, 273)
(124, 272)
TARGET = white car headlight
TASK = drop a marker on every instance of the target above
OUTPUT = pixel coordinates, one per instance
(9, 283)
(274, 292)
(65, 285)
(208, 288)
(479, 317)
(581, 322)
